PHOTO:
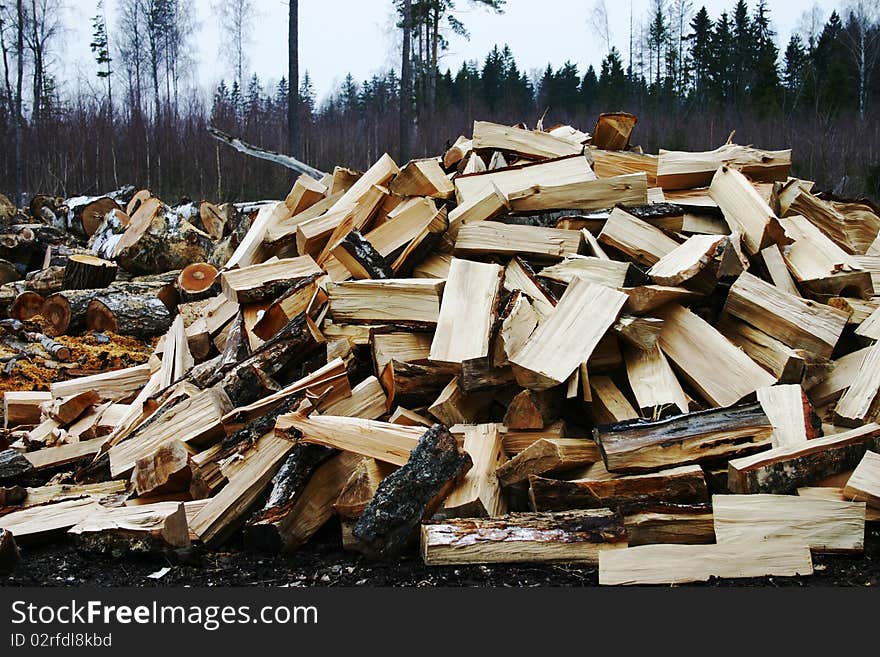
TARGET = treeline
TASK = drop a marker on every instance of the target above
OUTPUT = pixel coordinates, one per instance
(691, 78)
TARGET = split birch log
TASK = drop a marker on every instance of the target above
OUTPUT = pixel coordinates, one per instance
(864, 484)
(478, 494)
(859, 403)
(139, 529)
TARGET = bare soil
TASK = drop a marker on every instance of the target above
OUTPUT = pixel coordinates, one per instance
(323, 563)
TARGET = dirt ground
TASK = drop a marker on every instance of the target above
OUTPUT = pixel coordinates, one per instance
(323, 563)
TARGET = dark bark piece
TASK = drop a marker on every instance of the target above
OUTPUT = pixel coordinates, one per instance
(237, 348)
(66, 311)
(641, 446)
(56, 350)
(85, 272)
(9, 555)
(597, 488)
(26, 305)
(139, 316)
(411, 493)
(8, 272)
(361, 258)
(13, 464)
(785, 469)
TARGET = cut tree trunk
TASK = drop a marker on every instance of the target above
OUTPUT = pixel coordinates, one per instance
(139, 316)
(85, 272)
(196, 281)
(26, 305)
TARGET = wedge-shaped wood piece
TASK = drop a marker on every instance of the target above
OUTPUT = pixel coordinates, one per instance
(687, 260)
(639, 332)
(613, 130)
(783, 362)
(481, 207)
(610, 273)
(864, 484)
(306, 191)
(785, 469)
(813, 255)
(588, 195)
(422, 178)
(681, 170)
(719, 371)
(360, 488)
(745, 210)
(635, 238)
(455, 406)
(168, 470)
(380, 173)
(467, 312)
(641, 446)
(314, 505)
(568, 337)
(401, 301)
(115, 384)
(519, 276)
(23, 407)
(412, 493)
(841, 376)
(518, 323)
(853, 232)
(609, 404)
(414, 385)
(390, 443)
(143, 528)
(65, 410)
(573, 169)
(567, 536)
(533, 144)
(360, 258)
(52, 457)
(647, 298)
(596, 487)
(402, 346)
(859, 403)
(671, 524)
(40, 523)
(250, 250)
(478, 494)
(458, 152)
(548, 455)
(821, 525)
(226, 511)
(680, 564)
(778, 270)
(531, 409)
(608, 164)
(485, 237)
(790, 413)
(654, 384)
(869, 328)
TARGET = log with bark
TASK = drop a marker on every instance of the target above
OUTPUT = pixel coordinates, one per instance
(84, 272)
(140, 316)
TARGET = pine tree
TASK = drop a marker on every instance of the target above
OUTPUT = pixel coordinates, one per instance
(611, 88)
(658, 39)
(795, 70)
(590, 89)
(721, 77)
(744, 49)
(701, 55)
(765, 90)
(835, 77)
(100, 47)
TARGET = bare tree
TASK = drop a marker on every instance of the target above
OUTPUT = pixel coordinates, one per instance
(809, 25)
(598, 22)
(44, 22)
(19, 116)
(406, 82)
(862, 39)
(681, 15)
(132, 49)
(237, 22)
(293, 78)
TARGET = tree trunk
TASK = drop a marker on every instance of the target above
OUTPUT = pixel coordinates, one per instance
(139, 316)
(85, 272)
(406, 83)
(293, 79)
(19, 119)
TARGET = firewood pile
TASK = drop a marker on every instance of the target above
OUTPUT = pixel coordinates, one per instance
(543, 346)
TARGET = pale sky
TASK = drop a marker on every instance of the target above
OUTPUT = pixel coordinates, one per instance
(341, 36)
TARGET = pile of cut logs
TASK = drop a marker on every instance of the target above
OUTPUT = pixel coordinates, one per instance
(543, 346)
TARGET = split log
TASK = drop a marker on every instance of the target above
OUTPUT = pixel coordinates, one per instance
(532, 144)
(386, 442)
(53, 457)
(137, 529)
(608, 404)
(648, 298)
(454, 406)
(595, 487)
(787, 365)
(548, 455)
(642, 446)
(584, 196)
(864, 484)
(266, 281)
(568, 337)
(637, 239)
(567, 536)
(613, 131)
(821, 525)
(680, 564)
(790, 413)
(686, 261)
(532, 410)
(414, 302)
(413, 385)
(411, 493)
(85, 272)
(65, 410)
(41, 523)
(398, 345)
(467, 312)
(115, 384)
(360, 488)
(359, 257)
(422, 178)
(783, 470)
(745, 210)
(719, 371)
(861, 402)
(168, 470)
(22, 407)
(478, 494)
(654, 384)
(671, 524)
(601, 271)
(491, 237)
(140, 316)
(680, 170)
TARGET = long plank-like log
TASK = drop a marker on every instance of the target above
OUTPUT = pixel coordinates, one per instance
(565, 536)
(642, 446)
(783, 470)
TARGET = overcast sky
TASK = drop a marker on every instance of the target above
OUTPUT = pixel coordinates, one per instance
(338, 36)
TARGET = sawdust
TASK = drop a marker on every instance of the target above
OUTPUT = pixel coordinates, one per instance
(90, 354)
